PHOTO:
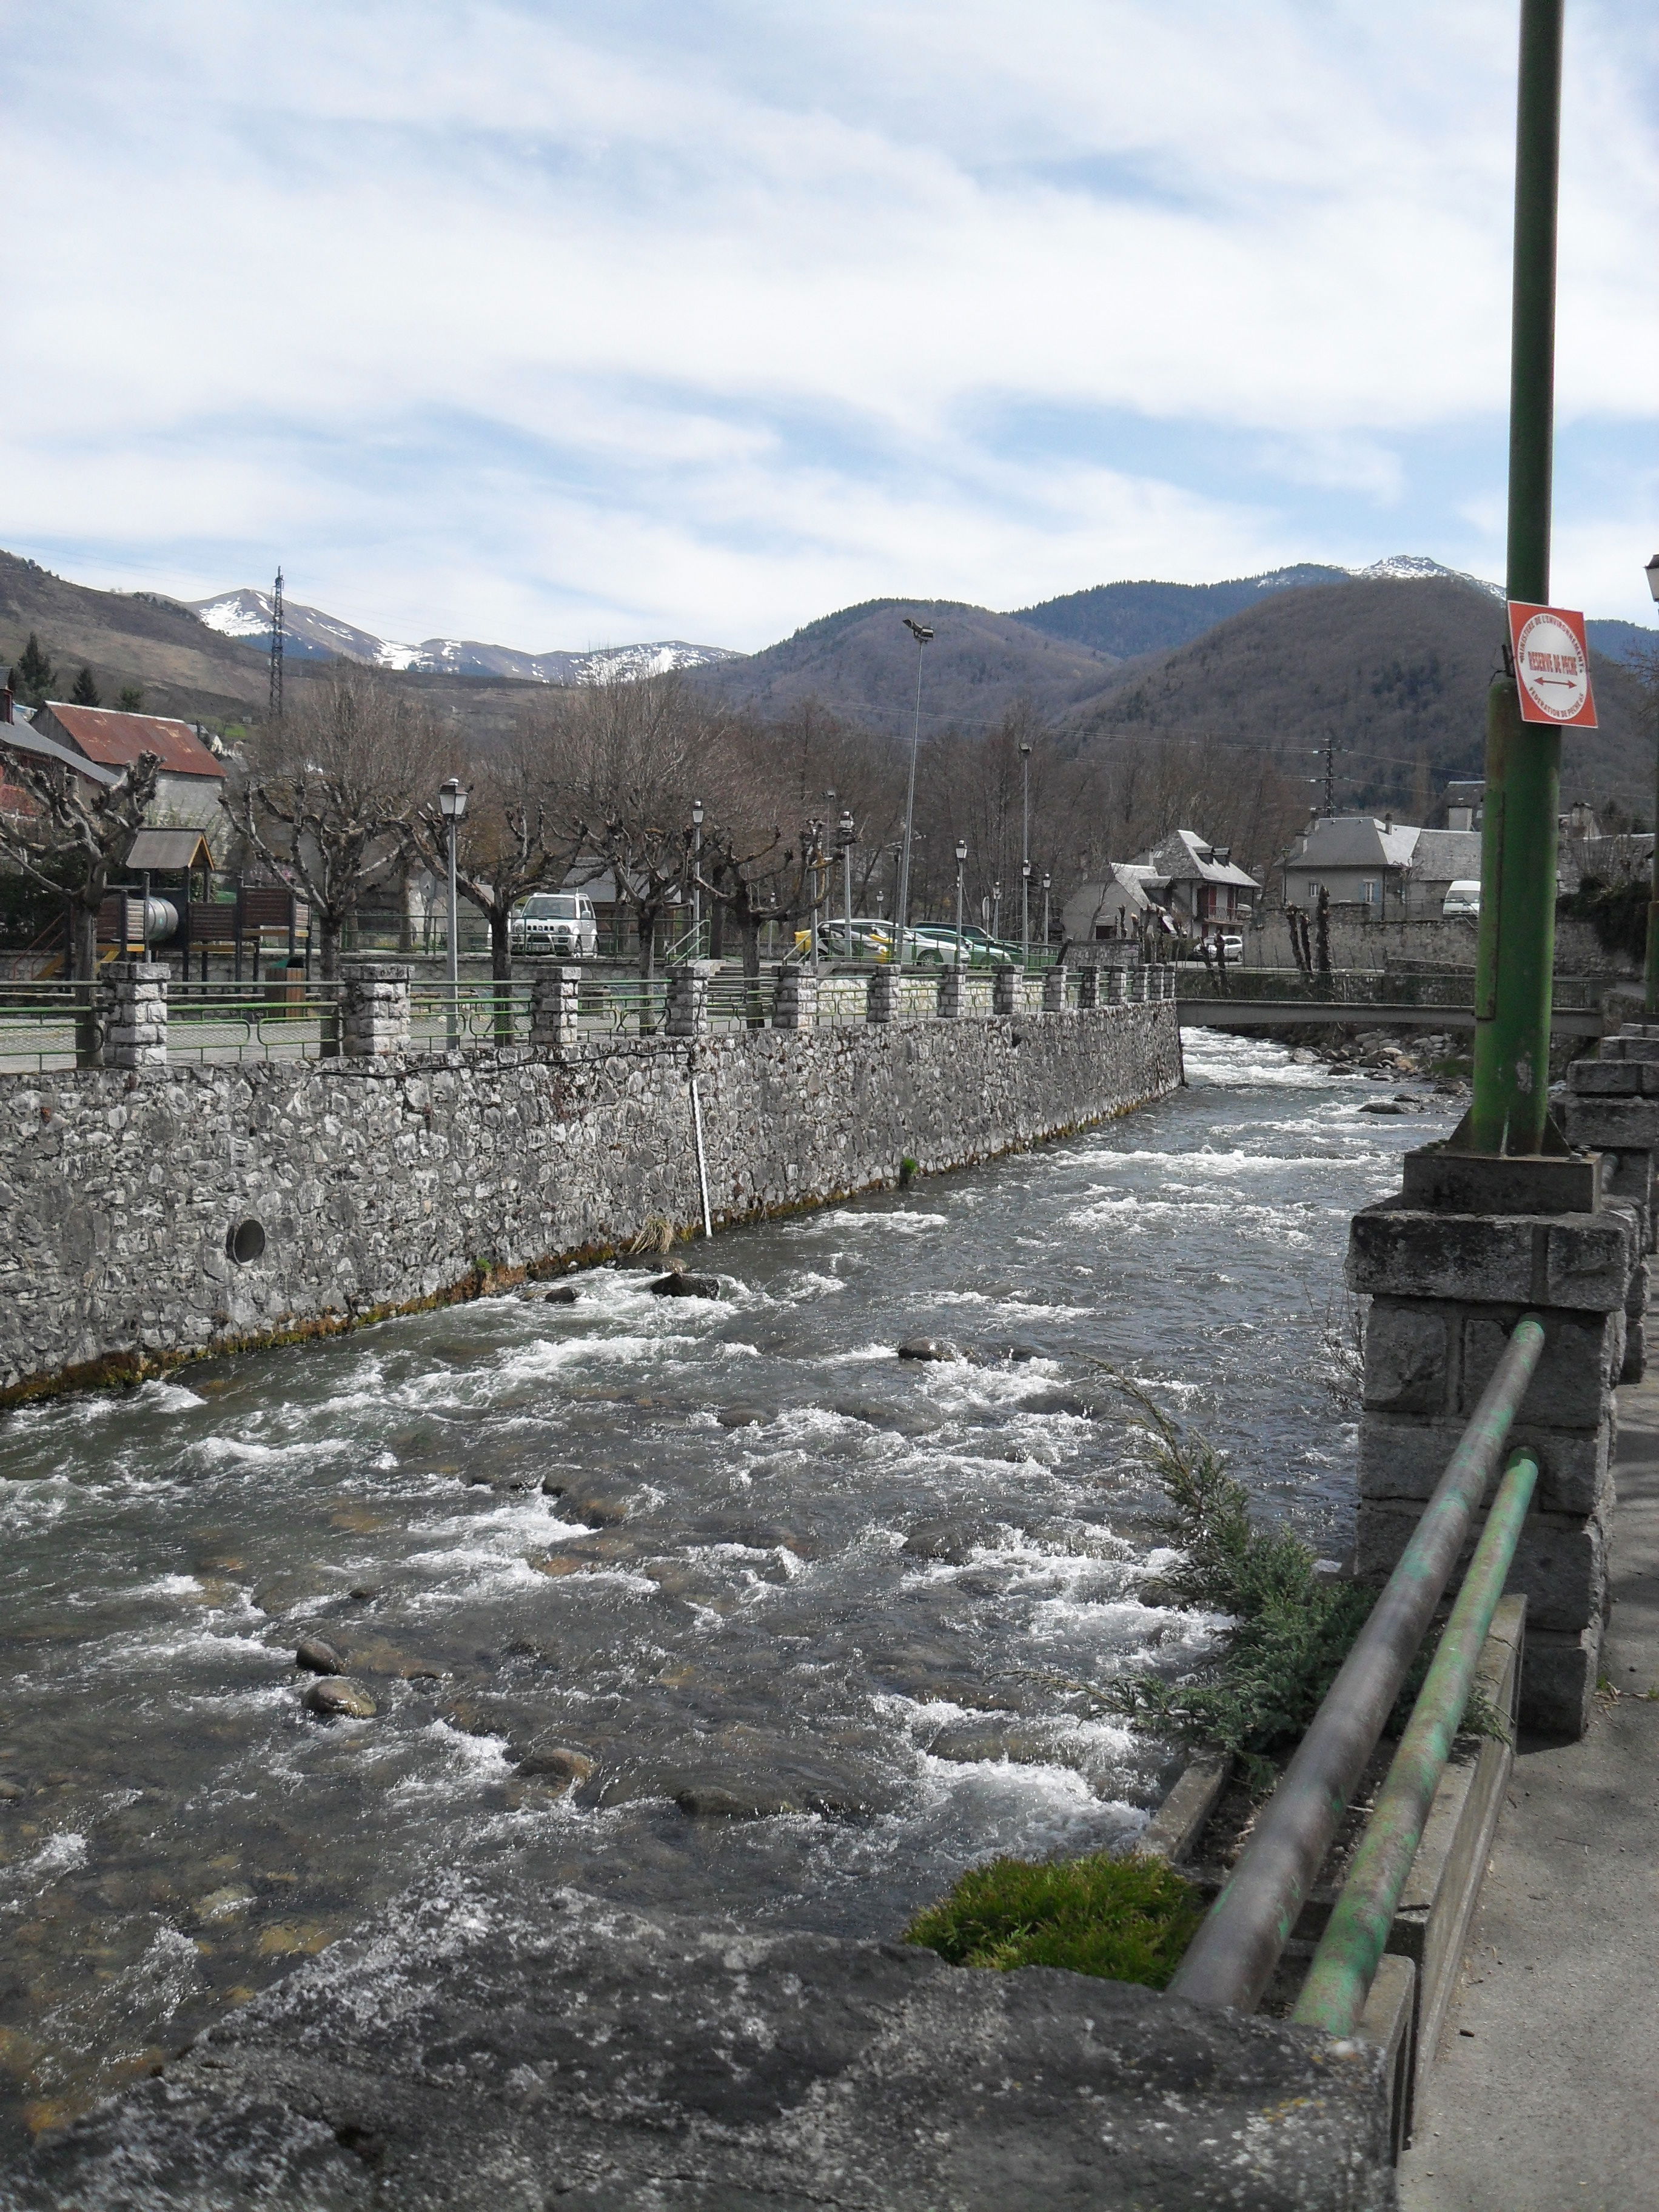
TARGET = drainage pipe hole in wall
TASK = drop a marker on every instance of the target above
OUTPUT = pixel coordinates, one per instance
(245, 1241)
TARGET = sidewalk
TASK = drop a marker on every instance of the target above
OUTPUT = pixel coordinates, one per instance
(1546, 2091)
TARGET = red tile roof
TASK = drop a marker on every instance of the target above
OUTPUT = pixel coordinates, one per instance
(104, 734)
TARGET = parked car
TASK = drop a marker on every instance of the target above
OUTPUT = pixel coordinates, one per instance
(1231, 942)
(940, 947)
(559, 923)
(872, 939)
(1462, 897)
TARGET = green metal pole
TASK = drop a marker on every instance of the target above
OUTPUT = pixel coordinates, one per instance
(1344, 1965)
(1651, 1000)
(1516, 950)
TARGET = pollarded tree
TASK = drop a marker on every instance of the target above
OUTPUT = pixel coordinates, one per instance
(332, 792)
(69, 835)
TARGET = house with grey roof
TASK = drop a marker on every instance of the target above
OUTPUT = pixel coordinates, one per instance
(1198, 884)
(1395, 871)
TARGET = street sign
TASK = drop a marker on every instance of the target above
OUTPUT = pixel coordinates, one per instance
(1552, 666)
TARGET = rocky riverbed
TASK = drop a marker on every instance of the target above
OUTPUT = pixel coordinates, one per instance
(712, 1606)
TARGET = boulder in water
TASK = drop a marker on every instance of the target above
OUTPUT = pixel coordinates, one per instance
(927, 1347)
(336, 1699)
(677, 1284)
(317, 1656)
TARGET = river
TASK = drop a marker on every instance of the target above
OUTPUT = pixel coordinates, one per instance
(813, 1614)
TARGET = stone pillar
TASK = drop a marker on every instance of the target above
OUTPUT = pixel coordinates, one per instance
(555, 1022)
(952, 993)
(796, 1006)
(1088, 988)
(883, 1003)
(1005, 990)
(688, 997)
(1054, 991)
(373, 1009)
(1611, 1107)
(134, 1014)
(1449, 1276)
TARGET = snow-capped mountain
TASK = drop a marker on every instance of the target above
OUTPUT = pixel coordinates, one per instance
(1411, 568)
(310, 634)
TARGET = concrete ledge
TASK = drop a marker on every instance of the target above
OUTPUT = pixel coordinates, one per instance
(567, 2053)
(1179, 1820)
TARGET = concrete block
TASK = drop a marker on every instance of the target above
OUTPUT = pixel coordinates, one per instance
(1578, 1367)
(1006, 990)
(1409, 1346)
(1575, 1261)
(1613, 1124)
(1088, 987)
(1402, 1460)
(1054, 991)
(1560, 1564)
(1557, 1681)
(1630, 1045)
(952, 994)
(1612, 1078)
(882, 1004)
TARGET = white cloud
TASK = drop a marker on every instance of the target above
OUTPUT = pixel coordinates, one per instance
(513, 318)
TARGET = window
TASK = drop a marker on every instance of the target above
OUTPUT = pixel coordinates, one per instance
(1368, 891)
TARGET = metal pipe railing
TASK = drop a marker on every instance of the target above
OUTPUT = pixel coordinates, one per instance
(1231, 1959)
(1345, 1964)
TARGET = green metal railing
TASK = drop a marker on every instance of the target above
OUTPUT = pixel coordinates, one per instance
(1231, 1959)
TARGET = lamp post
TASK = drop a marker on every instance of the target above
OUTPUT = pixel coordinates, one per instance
(696, 888)
(1026, 851)
(923, 636)
(847, 835)
(452, 802)
(1650, 1000)
(812, 855)
(962, 862)
(996, 908)
(1047, 880)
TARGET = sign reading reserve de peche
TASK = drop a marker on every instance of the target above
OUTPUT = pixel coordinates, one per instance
(1552, 666)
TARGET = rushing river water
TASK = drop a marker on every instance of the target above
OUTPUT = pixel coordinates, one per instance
(811, 1613)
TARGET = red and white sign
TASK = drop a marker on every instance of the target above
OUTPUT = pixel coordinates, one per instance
(1552, 666)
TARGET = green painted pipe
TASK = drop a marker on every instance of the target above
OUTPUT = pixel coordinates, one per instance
(1517, 945)
(1231, 1959)
(1344, 1965)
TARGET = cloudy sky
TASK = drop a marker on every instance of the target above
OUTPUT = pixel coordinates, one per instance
(565, 325)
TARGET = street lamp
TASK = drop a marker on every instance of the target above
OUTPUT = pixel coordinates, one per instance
(996, 908)
(847, 837)
(812, 855)
(1047, 880)
(962, 862)
(923, 636)
(696, 888)
(1650, 999)
(452, 804)
(1026, 850)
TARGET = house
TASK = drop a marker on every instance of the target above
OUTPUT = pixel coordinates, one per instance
(1112, 905)
(191, 778)
(1198, 884)
(1395, 872)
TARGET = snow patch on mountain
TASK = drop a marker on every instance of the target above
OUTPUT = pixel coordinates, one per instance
(1414, 568)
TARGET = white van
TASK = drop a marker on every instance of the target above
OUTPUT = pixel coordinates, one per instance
(558, 923)
(1462, 897)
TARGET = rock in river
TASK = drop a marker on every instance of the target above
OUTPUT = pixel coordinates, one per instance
(678, 1285)
(335, 1698)
(317, 1657)
(927, 1347)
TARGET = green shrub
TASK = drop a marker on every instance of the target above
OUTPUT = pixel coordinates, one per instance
(1617, 913)
(1126, 1919)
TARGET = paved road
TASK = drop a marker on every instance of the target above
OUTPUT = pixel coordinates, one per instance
(1545, 2094)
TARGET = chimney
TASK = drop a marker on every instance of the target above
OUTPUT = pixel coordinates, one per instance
(1387, 820)
(6, 714)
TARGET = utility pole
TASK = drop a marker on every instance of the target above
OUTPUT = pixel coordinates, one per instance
(1025, 852)
(923, 637)
(1516, 951)
(1330, 774)
(277, 649)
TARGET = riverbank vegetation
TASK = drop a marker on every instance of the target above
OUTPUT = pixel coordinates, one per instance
(1126, 1919)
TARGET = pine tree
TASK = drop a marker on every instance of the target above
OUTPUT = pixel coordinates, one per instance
(85, 693)
(35, 674)
(132, 699)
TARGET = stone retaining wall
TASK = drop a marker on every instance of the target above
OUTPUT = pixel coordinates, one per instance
(382, 1183)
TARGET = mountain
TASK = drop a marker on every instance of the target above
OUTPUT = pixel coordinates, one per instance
(1622, 641)
(308, 634)
(1126, 620)
(861, 662)
(1394, 670)
(129, 637)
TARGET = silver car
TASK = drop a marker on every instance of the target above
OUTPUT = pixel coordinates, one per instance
(559, 924)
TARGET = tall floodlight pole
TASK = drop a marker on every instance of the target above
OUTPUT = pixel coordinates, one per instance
(1517, 946)
(277, 649)
(1652, 1000)
(902, 914)
(697, 888)
(452, 802)
(1026, 851)
(962, 863)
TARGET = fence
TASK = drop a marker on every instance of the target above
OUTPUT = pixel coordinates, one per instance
(1452, 988)
(137, 1014)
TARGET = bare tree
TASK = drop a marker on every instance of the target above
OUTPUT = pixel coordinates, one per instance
(72, 836)
(332, 791)
(757, 879)
(512, 841)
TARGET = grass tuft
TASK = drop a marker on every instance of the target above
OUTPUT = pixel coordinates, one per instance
(1125, 1919)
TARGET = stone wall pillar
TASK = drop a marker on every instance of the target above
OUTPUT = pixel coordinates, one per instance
(1054, 991)
(373, 1009)
(1088, 987)
(688, 997)
(796, 1006)
(134, 1014)
(1611, 1107)
(1448, 1281)
(952, 994)
(1005, 990)
(883, 1002)
(554, 1021)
